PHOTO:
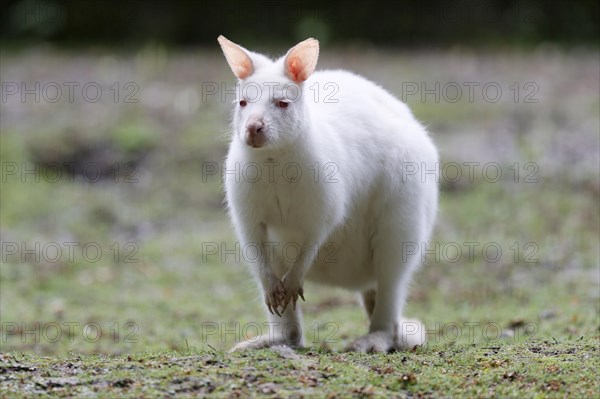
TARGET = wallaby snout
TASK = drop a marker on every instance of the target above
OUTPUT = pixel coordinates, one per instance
(255, 133)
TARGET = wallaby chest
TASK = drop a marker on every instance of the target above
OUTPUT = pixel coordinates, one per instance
(284, 192)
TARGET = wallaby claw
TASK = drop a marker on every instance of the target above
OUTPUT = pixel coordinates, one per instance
(275, 295)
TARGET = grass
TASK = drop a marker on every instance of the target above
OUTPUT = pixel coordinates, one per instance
(541, 369)
(154, 312)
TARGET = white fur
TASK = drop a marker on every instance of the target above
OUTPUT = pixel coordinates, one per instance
(359, 209)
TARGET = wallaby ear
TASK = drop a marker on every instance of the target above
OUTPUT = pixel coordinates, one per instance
(238, 59)
(301, 60)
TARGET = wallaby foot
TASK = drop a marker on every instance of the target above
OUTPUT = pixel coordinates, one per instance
(266, 341)
(407, 334)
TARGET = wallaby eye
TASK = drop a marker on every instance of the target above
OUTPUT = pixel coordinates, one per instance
(283, 104)
(243, 103)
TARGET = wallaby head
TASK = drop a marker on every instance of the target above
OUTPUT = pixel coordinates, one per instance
(270, 111)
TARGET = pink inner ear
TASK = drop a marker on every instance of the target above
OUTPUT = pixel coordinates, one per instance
(301, 60)
(239, 62)
(296, 70)
(243, 69)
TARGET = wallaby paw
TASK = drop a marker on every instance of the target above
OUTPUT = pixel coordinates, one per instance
(379, 341)
(264, 341)
(407, 334)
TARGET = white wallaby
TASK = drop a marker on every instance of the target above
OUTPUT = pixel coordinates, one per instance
(331, 179)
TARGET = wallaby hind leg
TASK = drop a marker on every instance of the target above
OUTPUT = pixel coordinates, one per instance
(368, 301)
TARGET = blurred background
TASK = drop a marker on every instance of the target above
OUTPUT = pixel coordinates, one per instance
(392, 23)
(114, 118)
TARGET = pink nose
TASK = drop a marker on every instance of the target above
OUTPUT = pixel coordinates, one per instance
(255, 134)
(254, 128)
